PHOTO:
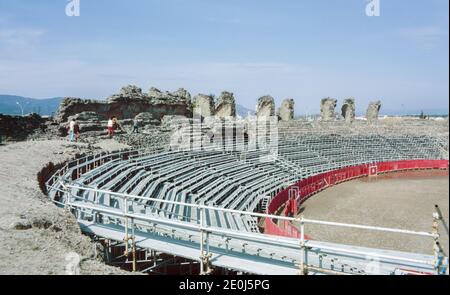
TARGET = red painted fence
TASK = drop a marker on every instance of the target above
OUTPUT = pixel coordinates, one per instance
(310, 186)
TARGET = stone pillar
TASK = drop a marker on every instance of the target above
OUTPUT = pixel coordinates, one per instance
(204, 105)
(225, 105)
(373, 110)
(348, 110)
(286, 110)
(265, 106)
(327, 106)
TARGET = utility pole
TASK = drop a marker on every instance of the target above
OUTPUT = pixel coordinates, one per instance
(20, 106)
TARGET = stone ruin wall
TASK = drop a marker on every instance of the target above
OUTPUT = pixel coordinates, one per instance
(265, 106)
(327, 106)
(19, 127)
(203, 105)
(131, 102)
(127, 104)
(121, 110)
(373, 110)
(348, 110)
(286, 110)
(225, 105)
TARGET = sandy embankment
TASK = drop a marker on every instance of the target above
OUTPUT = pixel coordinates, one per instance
(49, 232)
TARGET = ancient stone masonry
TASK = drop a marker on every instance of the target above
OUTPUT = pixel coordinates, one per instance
(348, 110)
(181, 95)
(155, 93)
(130, 102)
(18, 127)
(181, 92)
(71, 106)
(225, 105)
(327, 106)
(129, 92)
(203, 105)
(146, 118)
(265, 106)
(286, 110)
(373, 110)
(88, 121)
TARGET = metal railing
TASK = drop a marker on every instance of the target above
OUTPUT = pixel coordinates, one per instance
(203, 230)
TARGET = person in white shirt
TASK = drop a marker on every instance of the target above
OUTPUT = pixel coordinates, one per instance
(111, 126)
(135, 126)
(72, 130)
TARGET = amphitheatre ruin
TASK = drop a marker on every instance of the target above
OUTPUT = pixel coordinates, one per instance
(202, 190)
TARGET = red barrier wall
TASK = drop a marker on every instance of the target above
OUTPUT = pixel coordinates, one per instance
(310, 186)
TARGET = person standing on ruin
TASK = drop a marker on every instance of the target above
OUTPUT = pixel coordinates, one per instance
(111, 126)
(135, 126)
(72, 130)
(116, 124)
(76, 130)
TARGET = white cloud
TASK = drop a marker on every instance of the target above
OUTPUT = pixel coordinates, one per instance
(18, 39)
(426, 37)
(78, 78)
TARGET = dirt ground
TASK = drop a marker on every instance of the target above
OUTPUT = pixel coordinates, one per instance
(403, 200)
(36, 236)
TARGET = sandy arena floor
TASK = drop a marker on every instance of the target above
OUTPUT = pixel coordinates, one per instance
(402, 200)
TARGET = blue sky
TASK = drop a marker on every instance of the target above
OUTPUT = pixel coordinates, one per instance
(304, 49)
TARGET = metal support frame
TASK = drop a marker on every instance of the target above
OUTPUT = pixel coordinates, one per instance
(304, 249)
(441, 266)
(205, 267)
(128, 237)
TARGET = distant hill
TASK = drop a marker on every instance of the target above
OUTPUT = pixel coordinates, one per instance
(48, 106)
(11, 105)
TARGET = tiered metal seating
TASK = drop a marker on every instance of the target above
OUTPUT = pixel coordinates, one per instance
(242, 180)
